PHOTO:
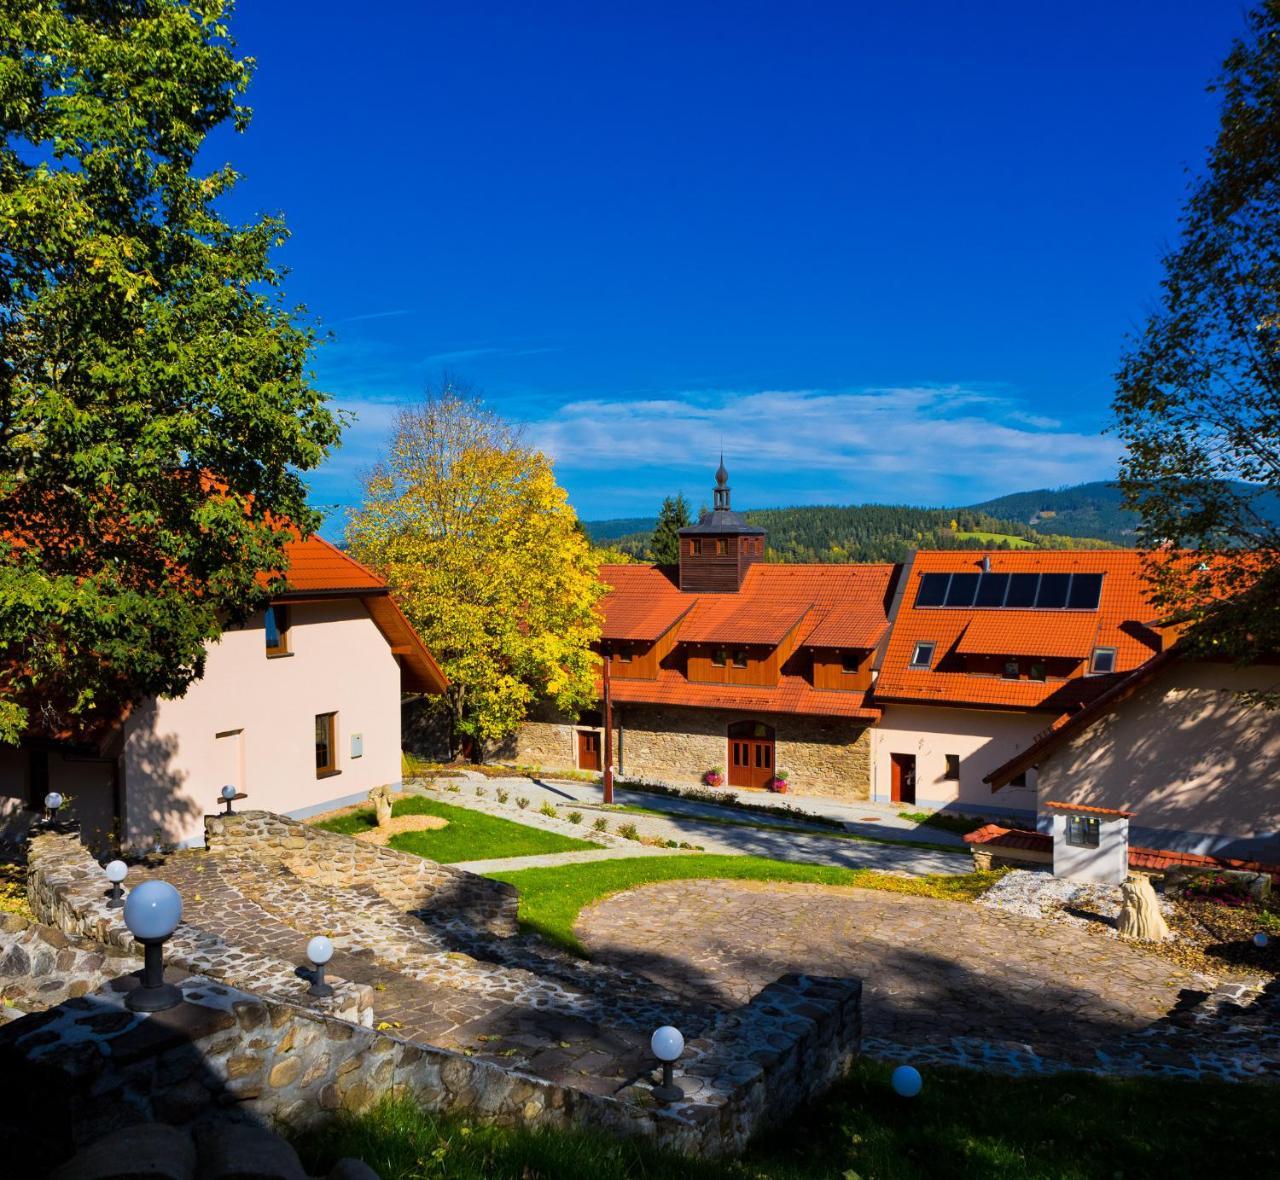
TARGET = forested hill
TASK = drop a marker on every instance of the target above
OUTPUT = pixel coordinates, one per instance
(1086, 510)
(870, 532)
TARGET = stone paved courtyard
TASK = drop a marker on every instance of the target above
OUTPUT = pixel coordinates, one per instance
(943, 981)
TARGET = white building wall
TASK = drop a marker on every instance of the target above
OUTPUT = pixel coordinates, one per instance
(984, 739)
(251, 720)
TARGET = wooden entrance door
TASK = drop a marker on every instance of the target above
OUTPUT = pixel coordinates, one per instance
(588, 750)
(904, 778)
(750, 754)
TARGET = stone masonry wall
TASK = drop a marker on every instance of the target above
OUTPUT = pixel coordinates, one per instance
(408, 882)
(41, 966)
(824, 756)
(68, 890)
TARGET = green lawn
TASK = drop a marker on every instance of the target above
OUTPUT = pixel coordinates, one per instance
(995, 539)
(471, 835)
(552, 898)
(963, 1126)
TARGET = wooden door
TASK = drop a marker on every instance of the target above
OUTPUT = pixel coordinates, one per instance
(751, 749)
(904, 778)
(588, 750)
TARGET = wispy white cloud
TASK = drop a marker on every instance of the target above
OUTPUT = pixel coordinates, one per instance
(376, 315)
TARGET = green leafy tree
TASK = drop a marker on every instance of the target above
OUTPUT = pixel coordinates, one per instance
(470, 528)
(664, 545)
(1198, 401)
(155, 398)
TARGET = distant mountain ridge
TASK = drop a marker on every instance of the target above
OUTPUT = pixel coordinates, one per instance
(1086, 515)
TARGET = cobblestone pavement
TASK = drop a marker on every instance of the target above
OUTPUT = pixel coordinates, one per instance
(758, 839)
(945, 982)
(507, 1000)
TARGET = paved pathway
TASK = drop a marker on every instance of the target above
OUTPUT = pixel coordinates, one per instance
(943, 981)
(706, 827)
(552, 859)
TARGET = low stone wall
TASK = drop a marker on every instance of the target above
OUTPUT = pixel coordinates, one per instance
(41, 966)
(68, 890)
(410, 883)
(90, 1066)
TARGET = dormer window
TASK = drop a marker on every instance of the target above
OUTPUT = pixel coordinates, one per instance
(922, 657)
(624, 655)
(276, 625)
(1037, 671)
(1104, 660)
(1011, 670)
(719, 657)
(740, 658)
(850, 663)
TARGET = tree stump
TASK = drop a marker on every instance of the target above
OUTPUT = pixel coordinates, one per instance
(380, 797)
(1140, 915)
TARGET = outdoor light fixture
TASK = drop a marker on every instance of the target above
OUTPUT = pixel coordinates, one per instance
(667, 1044)
(117, 871)
(319, 951)
(152, 912)
(228, 794)
(52, 801)
(906, 1081)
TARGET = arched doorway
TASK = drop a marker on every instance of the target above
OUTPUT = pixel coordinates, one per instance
(750, 754)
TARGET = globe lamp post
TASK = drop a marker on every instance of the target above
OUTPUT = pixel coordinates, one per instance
(52, 801)
(116, 872)
(228, 794)
(319, 951)
(667, 1044)
(152, 912)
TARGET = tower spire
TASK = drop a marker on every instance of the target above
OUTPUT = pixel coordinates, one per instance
(722, 486)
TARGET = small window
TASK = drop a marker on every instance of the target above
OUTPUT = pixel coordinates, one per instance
(276, 624)
(1019, 779)
(722, 547)
(740, 658)
(695, 548)
(850, 663)
(326, 743)
(922, 657)
(1011, 670)
(952, 771)
(1083, 831)
(1037, 671)
(624, 655)
(719, 657)
(1104, 660)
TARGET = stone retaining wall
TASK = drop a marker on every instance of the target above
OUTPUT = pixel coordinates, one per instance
(408, 882)
(68, 890)
(41, 966)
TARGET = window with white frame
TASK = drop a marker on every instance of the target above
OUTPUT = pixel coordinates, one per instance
(922, 656)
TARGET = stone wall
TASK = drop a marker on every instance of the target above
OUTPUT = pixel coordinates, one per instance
(408, 882)
(68, 890)
(41, 966)
(827, 756)
(90, 1066)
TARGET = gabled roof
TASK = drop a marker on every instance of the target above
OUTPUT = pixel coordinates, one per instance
(316, 566)
(1117, 622)
(642, 604)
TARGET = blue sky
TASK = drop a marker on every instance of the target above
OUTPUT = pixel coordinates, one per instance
(888, 251)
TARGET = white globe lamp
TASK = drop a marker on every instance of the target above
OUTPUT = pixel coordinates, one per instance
(228, 794)
(906, 1081)
(116, 872)
(152, 912)
(667, 1044)
(1260, 940)
(319, 951)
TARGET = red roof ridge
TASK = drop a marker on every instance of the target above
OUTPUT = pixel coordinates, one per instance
(1090, 809)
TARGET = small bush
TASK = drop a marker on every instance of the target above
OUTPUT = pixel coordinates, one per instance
(628, 831)
(574, 817)
(673, 843)
(453, 787)
(549, 810)
(521, 802)
(481, 792)
(600, 824)
(503, 796)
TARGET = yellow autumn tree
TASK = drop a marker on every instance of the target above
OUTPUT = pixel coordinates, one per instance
(484, 553)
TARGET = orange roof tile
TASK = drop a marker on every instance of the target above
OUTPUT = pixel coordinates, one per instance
(642, 604)
(792, 695)
(995, 836)
(315, 565)
(1118, 622)
(1052, 634)
(1090, 810)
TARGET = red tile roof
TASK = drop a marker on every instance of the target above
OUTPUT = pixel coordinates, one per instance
(1052, 634)
(1090, 810)
(1118, 622)
(825, 605)
(994, 836)
(315, 565)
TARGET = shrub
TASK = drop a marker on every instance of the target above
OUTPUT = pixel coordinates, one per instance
(574, 817)
(549, 810)
(480, 792)
(628, 831)
(453, 787)
(503, 796)
(521, 802)
(600, 824)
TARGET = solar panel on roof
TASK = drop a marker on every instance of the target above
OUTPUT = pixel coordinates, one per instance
(1011, 591)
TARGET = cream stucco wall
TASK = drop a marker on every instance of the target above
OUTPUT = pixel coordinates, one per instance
(983, 739)
(1199, 769)
(175, 763)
